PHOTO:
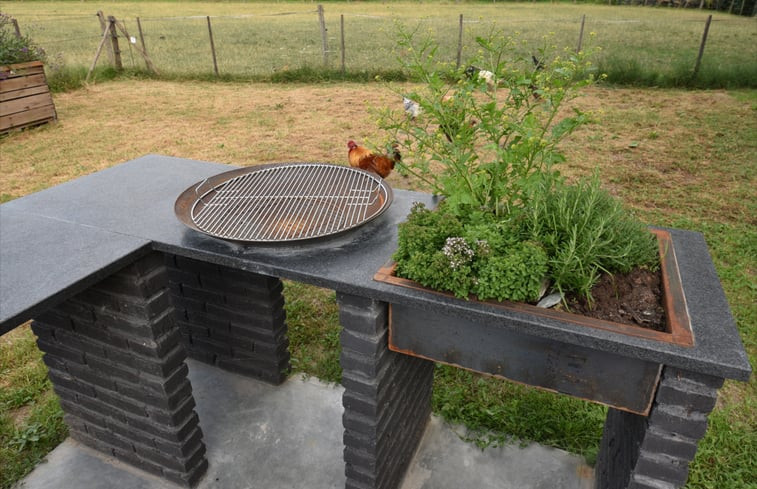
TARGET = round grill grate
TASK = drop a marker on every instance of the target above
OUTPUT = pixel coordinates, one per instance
(283, 202)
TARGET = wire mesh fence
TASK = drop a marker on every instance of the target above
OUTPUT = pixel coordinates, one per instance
(260, 45)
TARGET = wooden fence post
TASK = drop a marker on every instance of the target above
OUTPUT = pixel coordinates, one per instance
(581, 34)
(97, 55)
(460, 42)
(16, 28)
(103, 29)
(701, 45)
(141, 36)
(212, 47)
(324, 39)
(114, 42)
(341, 22)
(147, 59)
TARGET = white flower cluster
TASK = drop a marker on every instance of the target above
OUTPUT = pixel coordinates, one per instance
(458, 252)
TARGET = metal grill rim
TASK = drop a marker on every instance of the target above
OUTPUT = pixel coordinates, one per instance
(289, 202)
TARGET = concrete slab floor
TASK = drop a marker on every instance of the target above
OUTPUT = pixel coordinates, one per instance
(290, 437)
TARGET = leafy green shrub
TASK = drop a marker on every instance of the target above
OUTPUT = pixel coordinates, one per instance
(488, 259)
(15, 49)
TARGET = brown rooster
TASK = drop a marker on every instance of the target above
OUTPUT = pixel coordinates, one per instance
(362, 157)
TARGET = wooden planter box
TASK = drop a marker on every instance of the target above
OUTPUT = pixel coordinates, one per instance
(25, 98)
(615, 380)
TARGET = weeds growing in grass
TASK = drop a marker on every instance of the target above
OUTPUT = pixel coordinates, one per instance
(31, 420)
(313, 330)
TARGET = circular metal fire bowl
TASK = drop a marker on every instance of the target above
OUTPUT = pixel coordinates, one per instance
(283, 202)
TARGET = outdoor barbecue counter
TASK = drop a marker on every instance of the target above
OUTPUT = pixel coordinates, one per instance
(59, 244)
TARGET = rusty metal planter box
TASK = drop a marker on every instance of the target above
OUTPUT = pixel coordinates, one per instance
(25, 98)
(618, 381)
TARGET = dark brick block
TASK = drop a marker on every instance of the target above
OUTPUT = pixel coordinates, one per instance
(55, 362)
(679, 420)
(272, 373)
(656, 441)
(170, 462)
(100, 333)
(190, 478)
(272, 328)
(68, 381)
(250, 314)
(59, 350)
(172, 417)
(387, 397)
(125, 325)
(155, 348)
(692, 396)
(89, 409)
(119, 371)
(134, 459)
(81, 343)
(189, 306)
(117, 363)
(365, 343)
(181, 450)
(155, 399)
(178, 276)
(120, 402)
(112, 439)
(641, 482)
(91, 376)
(663, 467)
(219, 348)
(201, 295)
(128, 283)
(672, 375)
(201, 268)
(77, 310)
(159, 367)
(47, 322)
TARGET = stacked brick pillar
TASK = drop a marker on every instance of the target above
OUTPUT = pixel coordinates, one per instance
(116, 361)
(654, 452)
(231, 318)
(387, 397)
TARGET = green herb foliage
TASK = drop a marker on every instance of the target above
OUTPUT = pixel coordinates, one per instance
(586, 231)
(486, 139)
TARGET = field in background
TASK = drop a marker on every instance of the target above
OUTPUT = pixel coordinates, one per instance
(678, 158)
(640, 45)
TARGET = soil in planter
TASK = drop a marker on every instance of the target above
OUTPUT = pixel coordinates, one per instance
(634, 298)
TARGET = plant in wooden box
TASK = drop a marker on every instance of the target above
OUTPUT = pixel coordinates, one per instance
(23, 87)
(509, 227)
(15, 48)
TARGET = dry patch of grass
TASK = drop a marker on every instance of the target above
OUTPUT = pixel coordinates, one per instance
(240, 124)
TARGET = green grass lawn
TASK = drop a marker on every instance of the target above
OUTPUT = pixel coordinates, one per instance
(647, 46)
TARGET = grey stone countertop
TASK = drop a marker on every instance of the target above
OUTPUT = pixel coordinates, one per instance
(58, 241)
